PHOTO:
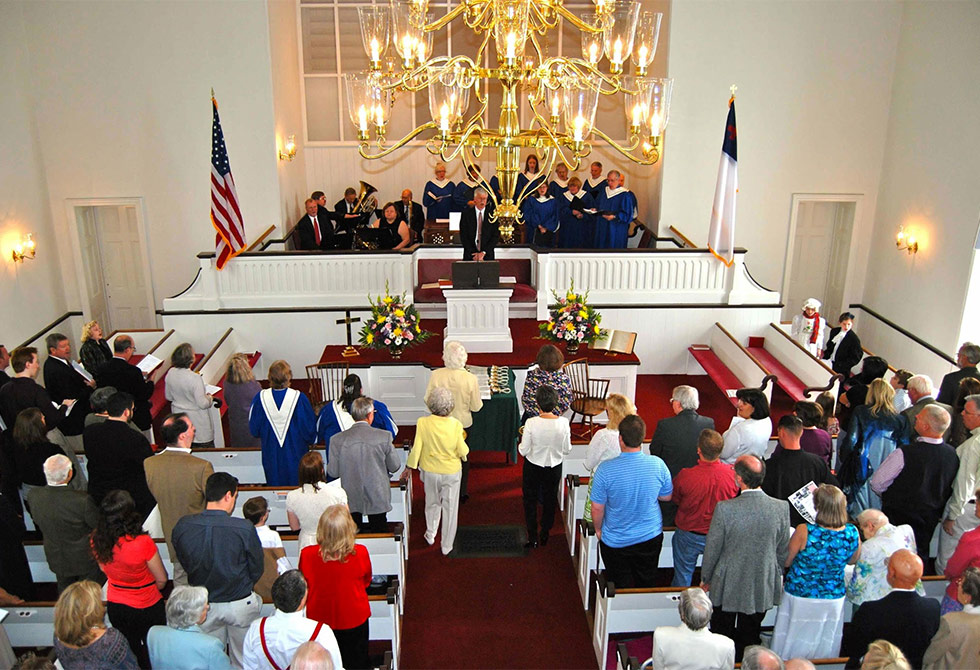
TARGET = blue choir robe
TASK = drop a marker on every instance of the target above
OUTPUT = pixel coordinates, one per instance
(495, 186)
(594, 186)
(523, 179)
(557, 187)
(438, 199)
(462, 194)
(283, 419)
(613, 234)
(576, 233)
(541, 211)
(334, 419)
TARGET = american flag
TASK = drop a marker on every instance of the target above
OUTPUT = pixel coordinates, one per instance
(225, 214)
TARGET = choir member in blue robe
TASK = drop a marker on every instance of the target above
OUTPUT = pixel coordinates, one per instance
(616, 206)
(335, 416)
(532, 173)
(283, 419)
(541, 217)
(559, 183)
(438, 196)
(577, 225)
(463, 195)
(495, 186)
(595, 182)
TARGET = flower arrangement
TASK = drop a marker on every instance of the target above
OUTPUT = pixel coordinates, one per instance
(394, 324)
(572, 320)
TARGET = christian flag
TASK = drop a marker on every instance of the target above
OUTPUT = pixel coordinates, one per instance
(226, 217)
(721, 233)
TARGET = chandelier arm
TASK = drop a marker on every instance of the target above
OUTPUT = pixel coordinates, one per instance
(446, 19)
(398, 145)
(584, 70)
(575, 21)
(545, 24)
(625, 151)
(475, 23)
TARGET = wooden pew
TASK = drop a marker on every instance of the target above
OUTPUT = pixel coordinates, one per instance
(729, 365)
(799, 373)
(576, 492)
(589, 560)
(31, 624)
(572, 464)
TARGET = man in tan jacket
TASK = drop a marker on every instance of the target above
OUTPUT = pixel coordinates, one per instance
(177, 480)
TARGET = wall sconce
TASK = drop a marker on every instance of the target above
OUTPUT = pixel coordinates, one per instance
(25, 249)
(906, 241)
(290, 149)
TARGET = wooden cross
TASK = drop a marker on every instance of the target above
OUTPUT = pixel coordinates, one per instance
(350, 350)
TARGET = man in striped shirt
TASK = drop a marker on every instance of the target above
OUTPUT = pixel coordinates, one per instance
(626, 511)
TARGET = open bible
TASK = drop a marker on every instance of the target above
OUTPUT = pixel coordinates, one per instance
(616, 341)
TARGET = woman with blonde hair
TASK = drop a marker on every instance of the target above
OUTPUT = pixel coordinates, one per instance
(81, 638)
(874, 432)
(241, 388)
(188, 394)
(810, 620)
(604, 445)
(305, 505)
(284, 420)
(338, 572)
(883, 655)
(95, 350)
(438, 196)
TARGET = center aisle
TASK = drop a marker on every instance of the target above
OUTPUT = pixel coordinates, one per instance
(492, 612)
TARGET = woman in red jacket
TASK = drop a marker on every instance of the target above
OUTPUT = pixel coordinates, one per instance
(338, 573)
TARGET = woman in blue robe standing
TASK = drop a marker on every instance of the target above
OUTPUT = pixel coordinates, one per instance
(577, 225)
(335, 415)
(616, 206)
(438, 196)
(559, 183)
(541, 217)
(463, 194)
(283, 419)
(531, 173)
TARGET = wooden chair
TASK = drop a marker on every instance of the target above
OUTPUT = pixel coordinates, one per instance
(326, 382)
(588, 394)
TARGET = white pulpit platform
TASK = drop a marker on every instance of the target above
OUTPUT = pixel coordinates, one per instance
(479, 319)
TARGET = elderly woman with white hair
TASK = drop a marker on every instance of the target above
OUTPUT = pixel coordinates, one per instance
(692, 645)
(438, 196)
(465, 392)
(438, 453)
(181, 644)
(808, 327)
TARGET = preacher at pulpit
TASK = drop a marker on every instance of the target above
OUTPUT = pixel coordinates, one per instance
(477, 233)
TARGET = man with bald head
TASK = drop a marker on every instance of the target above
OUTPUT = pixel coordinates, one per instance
(744, 555)
(411, 213)
(799, 664)
(867, 579)
(903, 617)
(916, 480)
(758, 657)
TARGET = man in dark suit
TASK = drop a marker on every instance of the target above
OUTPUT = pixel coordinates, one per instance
(903, 617)
(967, 358)
(116, 454)
(676, 438)
(62, 381)
(346, 219)
(4, 362)
(843, 348)
(477, 233)
(916, 480)
(744, 555)
(119, 373)
(412, 214)
(66, 518)
(315, 231)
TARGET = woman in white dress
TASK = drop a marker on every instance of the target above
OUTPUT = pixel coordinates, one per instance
(187, 393)
(809, 328)
(751, 427)
(605, 443)
(547, 439)
(305, 505)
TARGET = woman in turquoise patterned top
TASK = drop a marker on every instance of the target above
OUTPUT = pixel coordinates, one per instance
(810, 619)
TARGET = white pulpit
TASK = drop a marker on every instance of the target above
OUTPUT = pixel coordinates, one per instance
(479, 318)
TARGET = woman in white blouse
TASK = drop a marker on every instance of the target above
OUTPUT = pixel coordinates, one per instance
(605, 443)
(314, 495)
(546, 441)
(187, 393)
(751, 427)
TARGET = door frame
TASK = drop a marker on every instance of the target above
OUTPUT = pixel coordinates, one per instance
(853, 251)
(139, 205)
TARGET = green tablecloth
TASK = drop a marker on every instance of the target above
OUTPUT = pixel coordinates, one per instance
(495, 426)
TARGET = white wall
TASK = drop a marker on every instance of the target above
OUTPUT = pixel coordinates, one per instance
(930, 174)
(814, 82)
(123, 110)
(30, 292)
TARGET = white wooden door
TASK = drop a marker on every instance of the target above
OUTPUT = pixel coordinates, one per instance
(840, 249)
(123, 270)
(94, 285)
(812, 247)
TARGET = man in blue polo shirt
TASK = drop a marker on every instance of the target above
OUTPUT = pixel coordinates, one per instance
(625, 509)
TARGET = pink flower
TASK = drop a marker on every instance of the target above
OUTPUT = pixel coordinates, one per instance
(387, 341)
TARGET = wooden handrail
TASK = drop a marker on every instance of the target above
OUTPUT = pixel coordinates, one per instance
(745, 351)
(268, 231)
(802, 348)
(204, 361)
(280, 240)
(160, 341)
(871, 353)
(684, 238)
(895, 326)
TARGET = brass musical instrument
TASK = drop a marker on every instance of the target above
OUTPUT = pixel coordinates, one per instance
(366, 202)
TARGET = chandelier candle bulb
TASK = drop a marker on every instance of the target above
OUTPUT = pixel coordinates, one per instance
(362, 119)
(511, 47)
(375, 53)
(444, 119)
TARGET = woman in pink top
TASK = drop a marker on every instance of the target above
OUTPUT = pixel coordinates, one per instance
(130, 560)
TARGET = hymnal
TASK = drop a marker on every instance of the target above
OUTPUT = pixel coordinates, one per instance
(616, 341)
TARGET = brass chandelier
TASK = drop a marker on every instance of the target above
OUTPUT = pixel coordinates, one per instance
(562, 92)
